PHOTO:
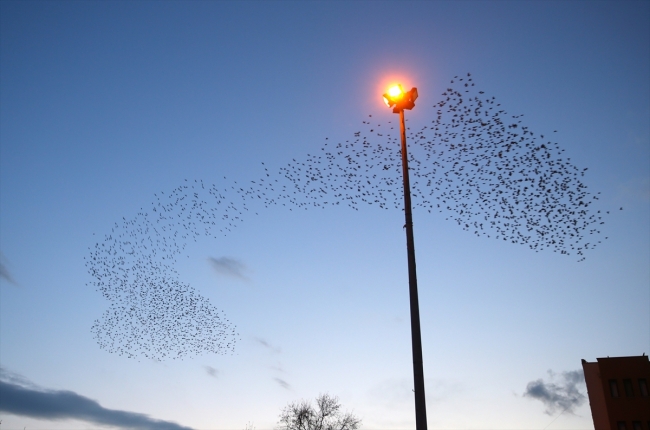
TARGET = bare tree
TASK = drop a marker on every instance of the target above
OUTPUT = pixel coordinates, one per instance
(326, 415)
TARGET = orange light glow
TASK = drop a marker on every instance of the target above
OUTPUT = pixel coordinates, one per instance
(395, 91)
(385, 80)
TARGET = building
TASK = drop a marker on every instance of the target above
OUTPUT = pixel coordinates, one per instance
(618, 392)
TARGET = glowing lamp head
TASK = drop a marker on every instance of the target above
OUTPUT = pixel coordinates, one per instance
(398, 99)
(396, 91)
(394, 95)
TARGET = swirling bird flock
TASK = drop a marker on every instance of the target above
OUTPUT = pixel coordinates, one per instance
(480, 167)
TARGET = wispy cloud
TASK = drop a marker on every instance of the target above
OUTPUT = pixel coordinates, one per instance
(230, 267)
(277, 367)
(4, 271)
(21, 397)
(284, 384)
(211, 371)
(635, 190)
(16, 379)
(561, 392)
(394, 393)
(267, 345)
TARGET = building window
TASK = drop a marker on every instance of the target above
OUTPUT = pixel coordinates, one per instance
(613, 387)
(643, 387)
(627, 385)
(636, 425)
(620, 425)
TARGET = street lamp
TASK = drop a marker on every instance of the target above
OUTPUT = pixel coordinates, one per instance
(398, 99)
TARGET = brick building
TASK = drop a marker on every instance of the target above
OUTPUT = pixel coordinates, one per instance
(618, 392)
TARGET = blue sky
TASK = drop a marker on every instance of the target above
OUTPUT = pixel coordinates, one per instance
(103, 105)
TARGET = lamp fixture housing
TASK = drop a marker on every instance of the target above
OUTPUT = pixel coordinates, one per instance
(399, 100)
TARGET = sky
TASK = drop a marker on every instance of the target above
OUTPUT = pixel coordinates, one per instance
(106, 106)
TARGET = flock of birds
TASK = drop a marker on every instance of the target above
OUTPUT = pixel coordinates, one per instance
(480, 167)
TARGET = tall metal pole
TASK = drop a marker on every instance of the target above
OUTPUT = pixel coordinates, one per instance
(416, 337)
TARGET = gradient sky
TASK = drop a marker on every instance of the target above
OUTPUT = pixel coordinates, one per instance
(104, 104)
